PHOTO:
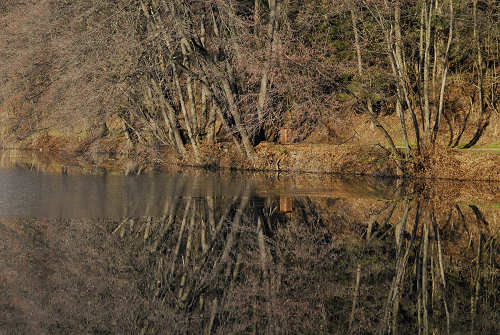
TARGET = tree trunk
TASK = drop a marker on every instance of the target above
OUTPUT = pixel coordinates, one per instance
(428, 42)
(483, 121)
(170, 119)
(354, 19)
(272, 25)
(445, 73)
(210, 127)
(245, 139)
(185, 114)
(401, 65)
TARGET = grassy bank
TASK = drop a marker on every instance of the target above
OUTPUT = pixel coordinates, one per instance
(111, 152)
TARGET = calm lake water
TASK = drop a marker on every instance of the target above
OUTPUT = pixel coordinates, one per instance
(86, 251)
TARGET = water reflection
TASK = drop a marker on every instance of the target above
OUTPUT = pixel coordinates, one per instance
(224, 256)
(34, 187)
(250, 268)
(25, 193)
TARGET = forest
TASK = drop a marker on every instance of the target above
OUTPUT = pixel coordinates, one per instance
(203, 81)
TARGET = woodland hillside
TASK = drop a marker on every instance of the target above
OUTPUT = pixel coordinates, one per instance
(146, 77)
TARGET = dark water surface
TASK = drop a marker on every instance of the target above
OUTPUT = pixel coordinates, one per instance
(87, 251)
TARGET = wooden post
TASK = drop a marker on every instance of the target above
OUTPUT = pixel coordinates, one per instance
(286, 204)
(285, 135)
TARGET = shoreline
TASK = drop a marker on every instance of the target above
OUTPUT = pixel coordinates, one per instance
(313, 184)
(318, 159)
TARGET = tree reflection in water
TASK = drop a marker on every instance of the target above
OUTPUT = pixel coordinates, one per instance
(240, 265)
(215, 262)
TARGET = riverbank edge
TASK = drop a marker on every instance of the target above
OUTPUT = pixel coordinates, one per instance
(350, 160)
(355, 160)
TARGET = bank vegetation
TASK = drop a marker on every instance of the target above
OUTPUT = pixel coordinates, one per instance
(203, 81)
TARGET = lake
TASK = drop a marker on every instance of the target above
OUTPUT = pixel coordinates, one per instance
(185, 251)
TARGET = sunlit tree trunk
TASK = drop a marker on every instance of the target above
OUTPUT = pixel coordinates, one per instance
(401, 65)
(482, 122)
(187, 122)
(444, 74)
(274, 14)
(429, 11)
(233, 109)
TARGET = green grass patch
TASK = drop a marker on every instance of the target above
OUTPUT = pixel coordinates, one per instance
(492, 147)
(488, 146)
(481, 204)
